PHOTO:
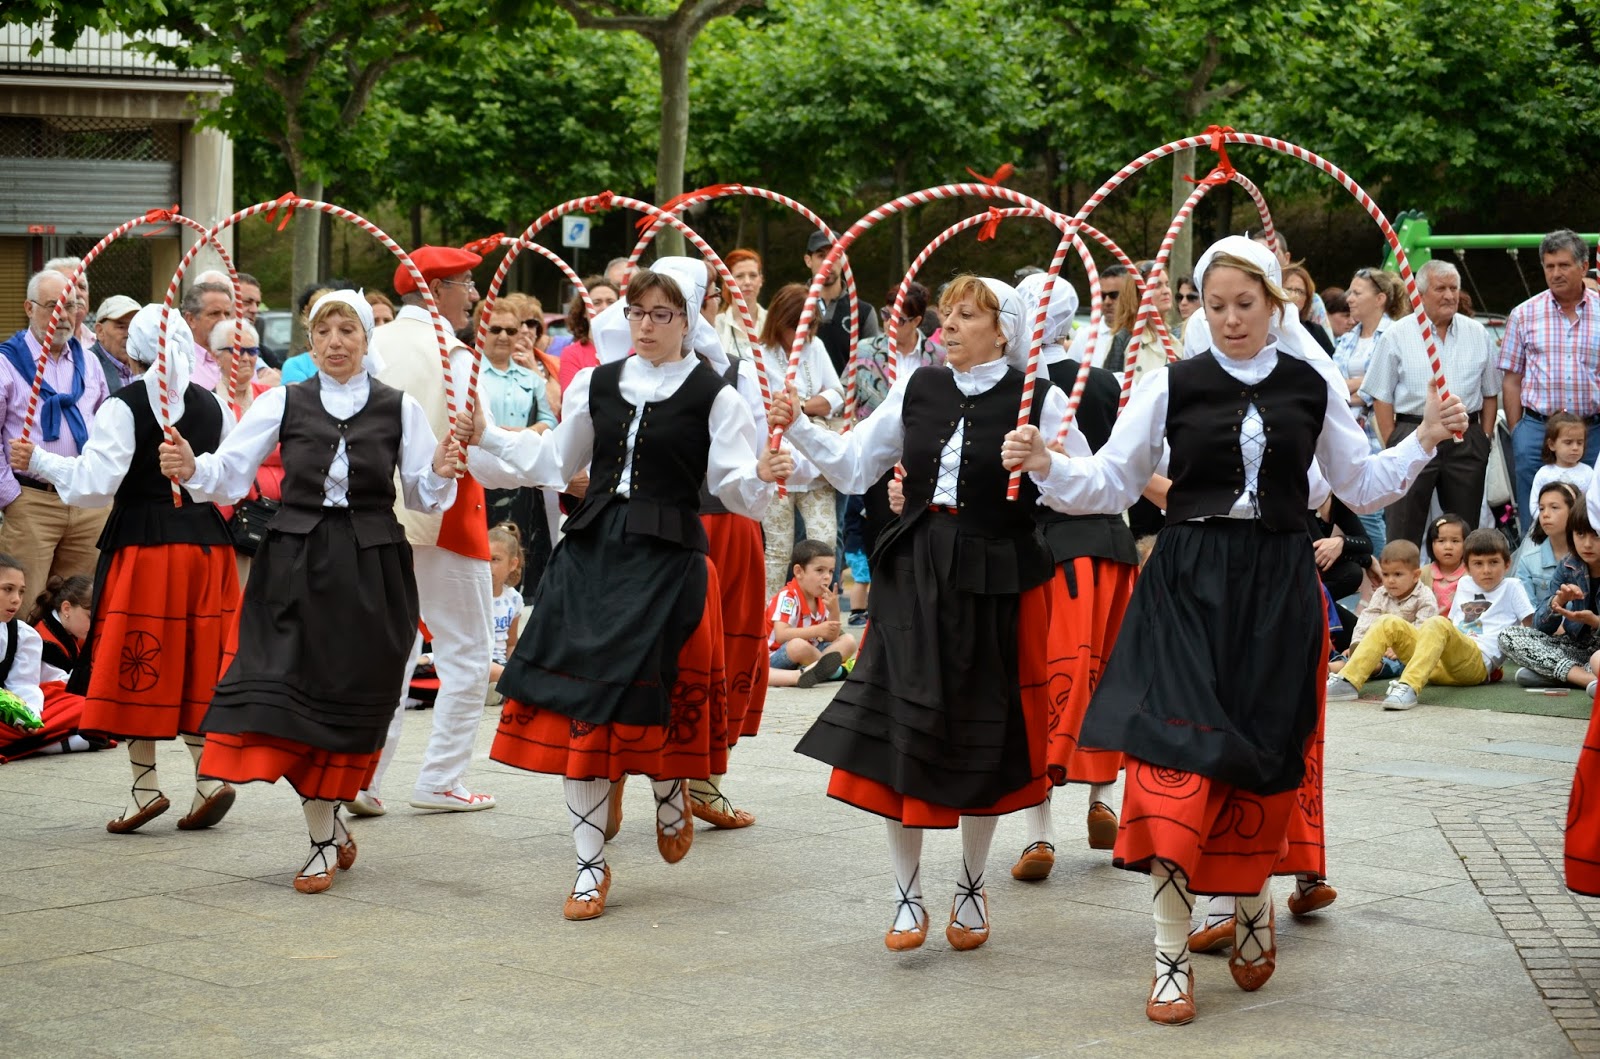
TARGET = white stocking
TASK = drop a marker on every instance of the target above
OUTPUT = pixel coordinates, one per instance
(1304, 881)
(587, 801)
(905, 854)
(203, 789)
(972, 909)
(321, 826)
(146, 783)
(709, 792)
(1252, 926)
(1036, 825)
(671, 816)
(1218, 910)
(1171, 907)
(1101, 792)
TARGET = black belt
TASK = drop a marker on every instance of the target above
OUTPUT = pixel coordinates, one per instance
(1472, 417)
(1540, 417)
(34, 483)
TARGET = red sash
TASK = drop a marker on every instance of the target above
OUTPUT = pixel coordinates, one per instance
(465, 529)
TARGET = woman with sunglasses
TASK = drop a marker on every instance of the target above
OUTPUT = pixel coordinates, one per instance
(621, 668)
(533, 341)
(1188, 297)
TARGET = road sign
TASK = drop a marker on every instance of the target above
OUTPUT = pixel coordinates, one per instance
(575, 230)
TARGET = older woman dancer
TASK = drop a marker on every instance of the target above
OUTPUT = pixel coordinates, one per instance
(1213, 689)
(331, 608)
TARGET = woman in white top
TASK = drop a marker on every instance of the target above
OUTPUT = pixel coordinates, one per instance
(328, 620)
(1213, 689)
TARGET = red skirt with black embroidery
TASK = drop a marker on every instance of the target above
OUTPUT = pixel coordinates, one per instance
(161, 622)
(1227, 840)
(327, 775)
(1583, 816)
(62, 716)
(693, 744)
(736, 552)
(1083, 629)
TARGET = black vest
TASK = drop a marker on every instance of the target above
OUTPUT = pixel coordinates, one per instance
(669, 456)
(308, 440)
(709, 504)
(933, 406)
(1099, 536)
(11, 651)
(1205, 407)
(142, 511)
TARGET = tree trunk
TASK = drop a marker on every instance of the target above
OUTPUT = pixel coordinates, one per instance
(307, 251)
(673, 49)
(901, 169)
(416, 225)
(1181, 261)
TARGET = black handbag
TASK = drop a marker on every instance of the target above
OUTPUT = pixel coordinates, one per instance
(251, 516)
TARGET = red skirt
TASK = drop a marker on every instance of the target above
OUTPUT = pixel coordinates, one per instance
(692, 745)
(313, 773)
(160, 625)
(1083, 630)
(62, 716)
(1583, 816)
(1033, 622)
(1227, 840)
(736, 552)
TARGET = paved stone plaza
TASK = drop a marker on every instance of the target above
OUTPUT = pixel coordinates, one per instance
(1452, 935)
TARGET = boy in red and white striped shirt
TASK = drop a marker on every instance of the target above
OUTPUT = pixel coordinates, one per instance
(807, 642)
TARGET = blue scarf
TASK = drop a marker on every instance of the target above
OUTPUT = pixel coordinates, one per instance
(53, 406)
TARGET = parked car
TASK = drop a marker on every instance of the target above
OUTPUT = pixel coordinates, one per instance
(276, 328)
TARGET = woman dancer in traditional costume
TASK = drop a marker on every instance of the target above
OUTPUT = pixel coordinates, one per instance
(331, 609)
(1214, 687)
(166, 587)
(621, 668)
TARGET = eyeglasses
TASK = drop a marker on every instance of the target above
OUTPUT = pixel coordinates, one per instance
(1295, 292)
(1190, 297)
(1109, 295)
(463, 283)
(659, 316)
(249, 351)
(532, 325)
(713, 295)
(503, 330)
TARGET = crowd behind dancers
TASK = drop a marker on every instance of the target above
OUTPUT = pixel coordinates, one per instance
(595, 542)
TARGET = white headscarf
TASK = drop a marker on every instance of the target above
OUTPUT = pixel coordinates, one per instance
(1290, 334)
(1057, 318)
(144, 339)
(613, 339)
(356, 300)
(1013, 327)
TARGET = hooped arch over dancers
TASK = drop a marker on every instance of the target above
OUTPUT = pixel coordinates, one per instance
(621, 669)
(942, 721)
(1214, 687)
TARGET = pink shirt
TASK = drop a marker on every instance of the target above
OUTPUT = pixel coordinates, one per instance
(575, 356)
(57, 374)
(207, 371)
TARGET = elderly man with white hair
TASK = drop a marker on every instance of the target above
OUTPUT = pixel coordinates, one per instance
(111, 341)
(1397, 381)
(68, 266)
(45, 534)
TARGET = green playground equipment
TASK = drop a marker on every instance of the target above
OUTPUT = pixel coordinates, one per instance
(1420, 241)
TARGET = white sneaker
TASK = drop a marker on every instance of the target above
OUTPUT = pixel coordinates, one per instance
(1341, 690)
(456, 800)
(1589, 691)
(366, 804)
(1401, 696)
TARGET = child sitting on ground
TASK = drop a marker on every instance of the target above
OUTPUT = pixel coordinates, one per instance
(61, 618)
(1403, 594)
(807, 642)
(505, 570)
(38, 715)
(1444, 541)
(1457, 651)
(1566, 630)
(1536, 562)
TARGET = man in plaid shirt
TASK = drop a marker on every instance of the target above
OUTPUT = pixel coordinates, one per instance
(1551, 358)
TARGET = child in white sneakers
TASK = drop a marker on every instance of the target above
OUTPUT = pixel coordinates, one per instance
(807, 643)
(1460, 650)
(1403, 594)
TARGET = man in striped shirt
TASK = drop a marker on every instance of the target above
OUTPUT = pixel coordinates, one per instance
(1551, 358)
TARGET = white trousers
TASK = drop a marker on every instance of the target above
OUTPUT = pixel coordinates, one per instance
(458, 607)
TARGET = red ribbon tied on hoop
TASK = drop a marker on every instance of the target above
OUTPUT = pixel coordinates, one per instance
(161, 217)
(988, 229)
(600, 203)
(710, 191)
(286, 203)
(1224, 170)
(1000, 176)
(485, 246)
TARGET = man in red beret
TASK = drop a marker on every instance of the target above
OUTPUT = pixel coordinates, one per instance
(450, 552)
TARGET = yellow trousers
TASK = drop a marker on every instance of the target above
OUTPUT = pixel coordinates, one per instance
(1436, 652)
